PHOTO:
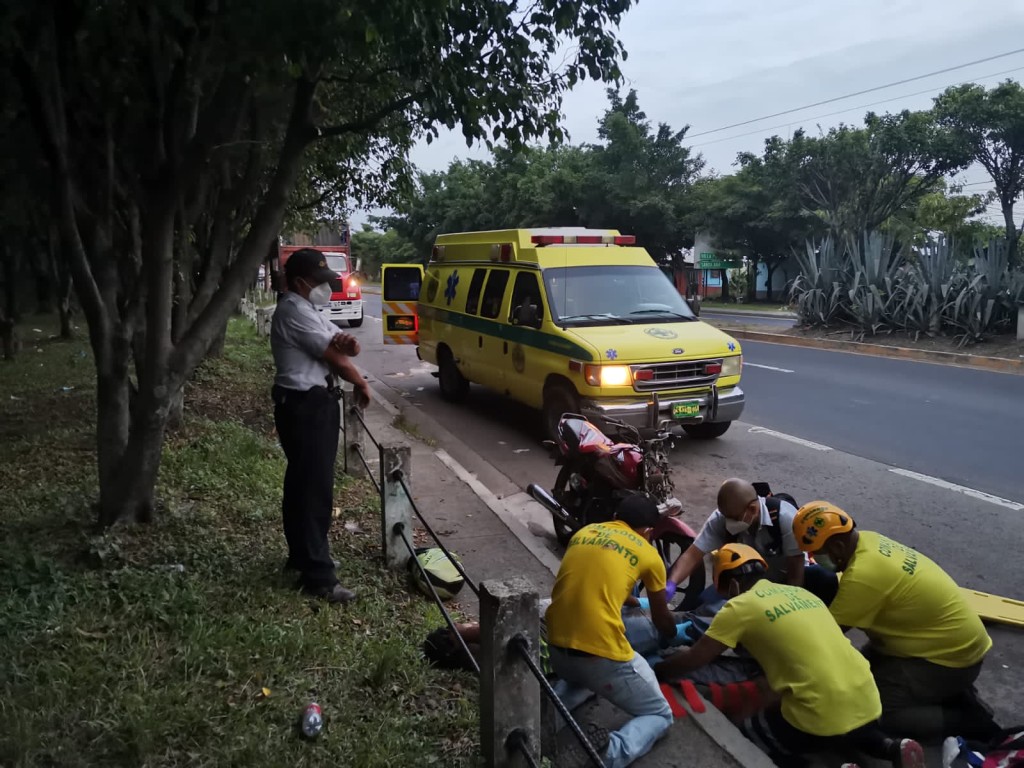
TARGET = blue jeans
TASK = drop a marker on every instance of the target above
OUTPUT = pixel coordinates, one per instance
(629, 685)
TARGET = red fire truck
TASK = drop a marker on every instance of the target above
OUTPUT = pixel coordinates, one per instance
(346, 296)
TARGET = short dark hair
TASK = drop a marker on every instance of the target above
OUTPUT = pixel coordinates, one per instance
(638, 511)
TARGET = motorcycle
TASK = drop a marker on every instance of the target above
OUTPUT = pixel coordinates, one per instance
(597, 472)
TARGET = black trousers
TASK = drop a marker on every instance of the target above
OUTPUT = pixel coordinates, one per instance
(307, 425)
(786, 744)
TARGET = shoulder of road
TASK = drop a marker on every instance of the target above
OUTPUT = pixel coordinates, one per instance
(485, 519)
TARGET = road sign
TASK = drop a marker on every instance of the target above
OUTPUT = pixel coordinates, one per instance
(714, 261)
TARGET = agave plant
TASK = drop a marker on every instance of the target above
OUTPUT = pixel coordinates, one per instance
(818, 290)
(935, 264)
(875, 257)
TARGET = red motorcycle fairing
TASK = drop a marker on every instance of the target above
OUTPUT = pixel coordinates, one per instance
(618, 463)
(672, 526)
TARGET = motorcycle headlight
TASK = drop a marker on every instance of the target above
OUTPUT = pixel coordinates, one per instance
(732, 366)
(607, 375)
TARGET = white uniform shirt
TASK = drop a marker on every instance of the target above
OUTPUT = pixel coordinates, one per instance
(299, 336)
(714, 535)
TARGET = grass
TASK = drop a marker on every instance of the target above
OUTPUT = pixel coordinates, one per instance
(152, 646)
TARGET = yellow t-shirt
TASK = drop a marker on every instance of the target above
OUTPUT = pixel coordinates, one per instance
(825, 683)
(599, 570)
(908, 606)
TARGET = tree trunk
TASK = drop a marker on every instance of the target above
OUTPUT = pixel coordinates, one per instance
(217, 345)
(1012, 233)
(10, 283)
(176, 410)
(59, 268)
(725, 285)
(752, 280)
(770, 273)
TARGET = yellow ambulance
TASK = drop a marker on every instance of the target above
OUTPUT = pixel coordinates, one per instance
(565, 320)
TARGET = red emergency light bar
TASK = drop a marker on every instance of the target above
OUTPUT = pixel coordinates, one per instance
(583, 239)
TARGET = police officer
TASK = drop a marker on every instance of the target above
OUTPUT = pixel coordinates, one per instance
(309, 352)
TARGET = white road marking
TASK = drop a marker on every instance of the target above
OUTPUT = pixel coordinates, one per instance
(768, 367)
(1015, 506)
(511, 512)
(521, 450)
(789, 438)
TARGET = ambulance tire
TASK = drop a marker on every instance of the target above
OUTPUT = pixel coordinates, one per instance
(558, 399)
(454, 386)
(707, 431)
(355, 323)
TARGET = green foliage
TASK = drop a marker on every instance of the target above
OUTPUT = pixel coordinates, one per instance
(638, 180)
(152, 647)
(989, 125)
(866, 285)
(374, 248)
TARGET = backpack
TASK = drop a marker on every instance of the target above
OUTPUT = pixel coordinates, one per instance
(774, 505)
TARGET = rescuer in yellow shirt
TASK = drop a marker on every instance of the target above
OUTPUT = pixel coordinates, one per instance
(586, 635)
(828, 698)
(927, 645)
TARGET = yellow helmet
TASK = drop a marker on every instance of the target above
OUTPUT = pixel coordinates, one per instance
(732, 556)
(816, 522)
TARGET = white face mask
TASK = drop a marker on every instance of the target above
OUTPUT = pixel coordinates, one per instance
(320, 295)
(736, 527)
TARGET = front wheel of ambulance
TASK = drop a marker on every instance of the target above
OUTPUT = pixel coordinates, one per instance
(558, 399)
(454, 386)
(708, 430)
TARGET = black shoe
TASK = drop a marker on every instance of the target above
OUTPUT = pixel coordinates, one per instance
(336, 594)
(573, 755)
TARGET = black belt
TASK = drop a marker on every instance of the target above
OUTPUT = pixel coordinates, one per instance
(282, 394)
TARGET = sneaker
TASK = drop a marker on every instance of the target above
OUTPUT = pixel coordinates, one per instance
(335, 595)
(911, 754)
(573, 755)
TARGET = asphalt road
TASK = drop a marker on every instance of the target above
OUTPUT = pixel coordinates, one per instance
(909, 449)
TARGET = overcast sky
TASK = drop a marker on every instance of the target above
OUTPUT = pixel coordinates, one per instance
(710, 65)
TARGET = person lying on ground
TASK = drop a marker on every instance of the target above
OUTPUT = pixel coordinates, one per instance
(926, 645)
(766, 524)
(828, 698)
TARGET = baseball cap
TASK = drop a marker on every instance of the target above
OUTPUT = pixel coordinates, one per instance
(310, 264)
(638, 511)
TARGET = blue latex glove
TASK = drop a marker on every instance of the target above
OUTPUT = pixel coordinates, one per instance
(670, 590)
(686, 633)
(644, 603)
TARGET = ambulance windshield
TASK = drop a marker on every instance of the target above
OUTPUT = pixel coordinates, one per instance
(613, 295)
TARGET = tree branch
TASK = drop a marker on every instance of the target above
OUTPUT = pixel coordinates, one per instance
(371, 120)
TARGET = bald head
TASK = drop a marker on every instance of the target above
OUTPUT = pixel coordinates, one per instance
(735, 496)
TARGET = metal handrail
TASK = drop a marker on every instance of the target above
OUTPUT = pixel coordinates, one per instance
(522, 645)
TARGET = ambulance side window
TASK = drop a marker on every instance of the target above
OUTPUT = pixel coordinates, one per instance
(493, 293)
(473, 297)
(526, 308)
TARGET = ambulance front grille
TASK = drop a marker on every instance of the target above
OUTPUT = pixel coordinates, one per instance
(688, 373)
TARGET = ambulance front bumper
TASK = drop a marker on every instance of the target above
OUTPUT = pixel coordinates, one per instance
(718, 405)
(343, 310)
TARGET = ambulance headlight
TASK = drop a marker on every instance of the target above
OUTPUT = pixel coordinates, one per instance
(607, 375)
(732, 366)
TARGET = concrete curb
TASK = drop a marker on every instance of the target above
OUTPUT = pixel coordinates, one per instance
(981, 362)
(749, 313)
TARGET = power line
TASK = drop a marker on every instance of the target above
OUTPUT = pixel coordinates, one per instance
(851, 109)
(860, 93)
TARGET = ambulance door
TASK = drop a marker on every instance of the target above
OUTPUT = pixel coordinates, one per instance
(400, 290)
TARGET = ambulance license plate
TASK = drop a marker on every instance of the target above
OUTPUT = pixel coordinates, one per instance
(337, 304)
(686, 410)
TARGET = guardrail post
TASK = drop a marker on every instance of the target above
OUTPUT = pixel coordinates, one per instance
(353, 434)
(395, 505)
(510, 698)
(1020, 323)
